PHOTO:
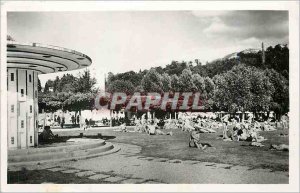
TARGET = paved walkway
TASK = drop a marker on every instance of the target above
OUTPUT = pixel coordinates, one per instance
(127, 166)
(89, 129)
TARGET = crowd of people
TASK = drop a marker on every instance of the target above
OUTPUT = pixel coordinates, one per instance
(233, 129)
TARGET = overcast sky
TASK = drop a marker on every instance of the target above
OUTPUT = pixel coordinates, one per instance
(123, 41)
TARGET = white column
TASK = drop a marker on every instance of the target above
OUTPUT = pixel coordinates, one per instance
(12, 109)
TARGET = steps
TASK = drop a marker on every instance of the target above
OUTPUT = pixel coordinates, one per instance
(80, 150)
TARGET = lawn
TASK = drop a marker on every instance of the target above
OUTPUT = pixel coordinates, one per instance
(176, 147)
(46, 176)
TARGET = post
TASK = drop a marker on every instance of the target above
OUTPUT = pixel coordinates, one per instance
(44, 122)
(110, 112)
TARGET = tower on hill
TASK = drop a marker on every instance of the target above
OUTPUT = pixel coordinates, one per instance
(263, 56)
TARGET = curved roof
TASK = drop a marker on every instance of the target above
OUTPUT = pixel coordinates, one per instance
(44, 58)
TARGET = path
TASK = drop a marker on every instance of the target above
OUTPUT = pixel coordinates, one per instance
(127, 166)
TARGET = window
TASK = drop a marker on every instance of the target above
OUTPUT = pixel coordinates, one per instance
(22, 123)
(30, 139)
(29, 77)
(30, 108)
(12, 108)
(22, 92)
(12, 77)
(12, 139)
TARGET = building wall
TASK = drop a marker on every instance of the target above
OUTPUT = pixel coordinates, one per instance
(22, 108)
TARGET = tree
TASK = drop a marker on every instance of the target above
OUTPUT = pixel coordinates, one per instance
(131, 76)
(175, 67)
(120, 86)
(221, 99)
(39, 85)
(56, 84)
(243, 88)
(199, 82)
(46, 88)
(51, 101)
(85, 83)
(166, 82)
(209, 86)
(261, 91)
(175, 83)
(110, 77)
(79, 101)
(152, 81)
(186, 83)
(278, 58)
(280, 97)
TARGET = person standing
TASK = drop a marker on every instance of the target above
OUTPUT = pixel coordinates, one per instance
(86, 123)
(225, 121)
(58, 120)
(78, 119)
(90, 122)
(82, 123)
(62, 122)
(73, 120)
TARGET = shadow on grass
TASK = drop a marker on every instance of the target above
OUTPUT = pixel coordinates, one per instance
(44, 176)
(64, 139)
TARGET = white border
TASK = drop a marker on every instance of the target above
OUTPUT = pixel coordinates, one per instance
(292, 6)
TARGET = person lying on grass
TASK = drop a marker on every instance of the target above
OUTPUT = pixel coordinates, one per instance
(196, 142)
(268, 127)
(140, 127)
(204, 127)
(187, 126)
(248, 134)
(154, 130)
(123, 127)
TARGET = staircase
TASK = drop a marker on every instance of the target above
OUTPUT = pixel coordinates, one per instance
(79, 149)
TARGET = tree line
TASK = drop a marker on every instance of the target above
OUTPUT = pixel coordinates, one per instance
(68, 93)
(239, 84)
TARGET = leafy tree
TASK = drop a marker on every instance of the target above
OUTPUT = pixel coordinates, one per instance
(70, 93)
(166, 82)
(280, 97)
(175, 67)
(79, 101)
(221, 99)
(46, 88)
(133, 77)
(152, 81)
(139, 89)
(51, 101)
(209, 86)
(261, 91)
(174, 82)
(120, 86)
(39, 85)
(85, 83)
(186, 83)
(243, 88)
(199, 82)
(56, 84)
(278, 58)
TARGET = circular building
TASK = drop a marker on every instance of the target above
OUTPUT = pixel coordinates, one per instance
(24, 63)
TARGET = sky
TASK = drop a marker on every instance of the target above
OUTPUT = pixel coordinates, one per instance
(120, 41)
